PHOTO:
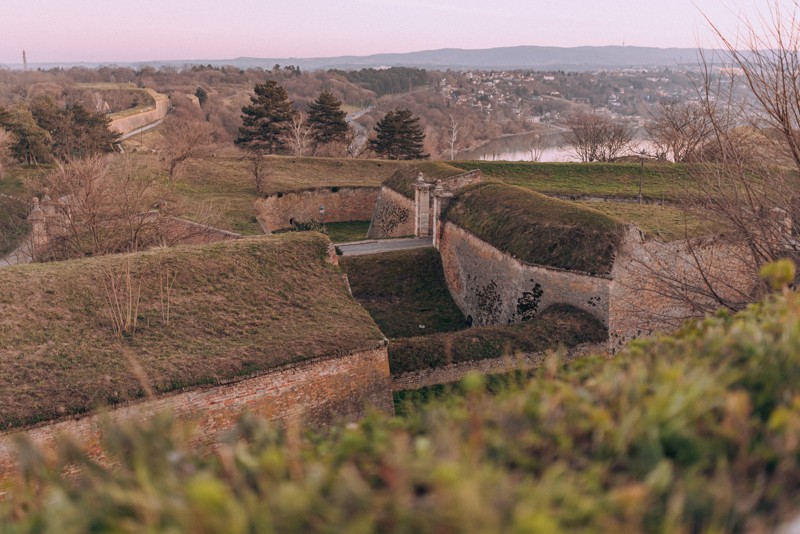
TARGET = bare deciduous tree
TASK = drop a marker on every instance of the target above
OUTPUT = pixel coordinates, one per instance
(258, 169)
(595, 137)
(452, 133)
(537, 147)
(680, 131)
(91, 208)
(299, 134)
(185, 138)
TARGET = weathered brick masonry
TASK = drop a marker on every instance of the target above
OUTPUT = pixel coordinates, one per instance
(393, 215)
(275, 211)
(321, 391)
(493, 287)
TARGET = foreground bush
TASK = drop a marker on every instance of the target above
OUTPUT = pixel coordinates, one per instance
(696, 433)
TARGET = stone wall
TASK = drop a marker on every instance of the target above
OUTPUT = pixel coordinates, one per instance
(492, 287)
(124, 123)
(455, 372)
(393, 215)
(653, 282)
(320, 391)
(341, 204)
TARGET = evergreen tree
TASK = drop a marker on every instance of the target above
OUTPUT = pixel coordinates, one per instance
(75, 132)
(399, 136)
(327, 120)
(32, 143)
(265, 121)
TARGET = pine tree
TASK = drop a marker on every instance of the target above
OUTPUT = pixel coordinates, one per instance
(399, 136)
(265, 121)
(327, 120)
(32, 142)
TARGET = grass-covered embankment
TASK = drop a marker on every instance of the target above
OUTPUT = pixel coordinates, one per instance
(538, 229)
(203, 314)
(404, 292)
(660, 181)
(694, 433)
(557, 325)
(404, 178)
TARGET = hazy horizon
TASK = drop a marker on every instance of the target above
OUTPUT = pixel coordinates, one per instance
(91, 31)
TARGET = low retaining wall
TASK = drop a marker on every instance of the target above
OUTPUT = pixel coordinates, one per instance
(493, 287)
(320, 391)
(457, 371)
(129, 123)
(275, 211)
(655, 284)
(393, 215)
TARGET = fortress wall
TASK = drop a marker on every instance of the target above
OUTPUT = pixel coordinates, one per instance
(130, 123)
(341, 204)
(321, 391)
(493, 287)
(393, 215)
(457, 371)
(650, 282)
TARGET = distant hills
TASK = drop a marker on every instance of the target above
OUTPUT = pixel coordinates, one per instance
(580, 58)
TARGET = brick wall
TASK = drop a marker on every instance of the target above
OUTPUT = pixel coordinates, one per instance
(321, 391)
(393, 215)
(493, 287)
(651, 284)
(341, 204)
(130, 123)
(455, 372)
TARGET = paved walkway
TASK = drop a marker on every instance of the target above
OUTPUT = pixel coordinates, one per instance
(17, 257)
(359, 248)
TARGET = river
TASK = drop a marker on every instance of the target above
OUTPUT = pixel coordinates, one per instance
(517, 148)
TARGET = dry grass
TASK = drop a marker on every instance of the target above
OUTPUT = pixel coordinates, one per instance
(235, 308)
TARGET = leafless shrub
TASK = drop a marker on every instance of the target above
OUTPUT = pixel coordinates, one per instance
(123, 295)
(166, 281)
(595, 137)
(185, 138)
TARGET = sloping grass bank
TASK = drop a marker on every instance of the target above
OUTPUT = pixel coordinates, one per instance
(404, 292)
(203, 314)
(557, 325)
(538, 229)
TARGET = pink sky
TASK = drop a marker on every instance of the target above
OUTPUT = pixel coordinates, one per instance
(103, 31)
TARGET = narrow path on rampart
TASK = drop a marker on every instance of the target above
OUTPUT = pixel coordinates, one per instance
(360, 248)
(361, 133)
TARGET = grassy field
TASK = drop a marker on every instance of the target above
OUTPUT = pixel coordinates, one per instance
(660, 181)
(404, 292)
(236, 308)
(343, 232)
(554, 326)
(538, 229)
(666, 223)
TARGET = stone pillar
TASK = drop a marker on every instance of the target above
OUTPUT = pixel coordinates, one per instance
(422, 207)
(441, 199)
(38, 222)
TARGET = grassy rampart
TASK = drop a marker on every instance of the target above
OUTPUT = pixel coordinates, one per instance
(232, 309)
(538, 229)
